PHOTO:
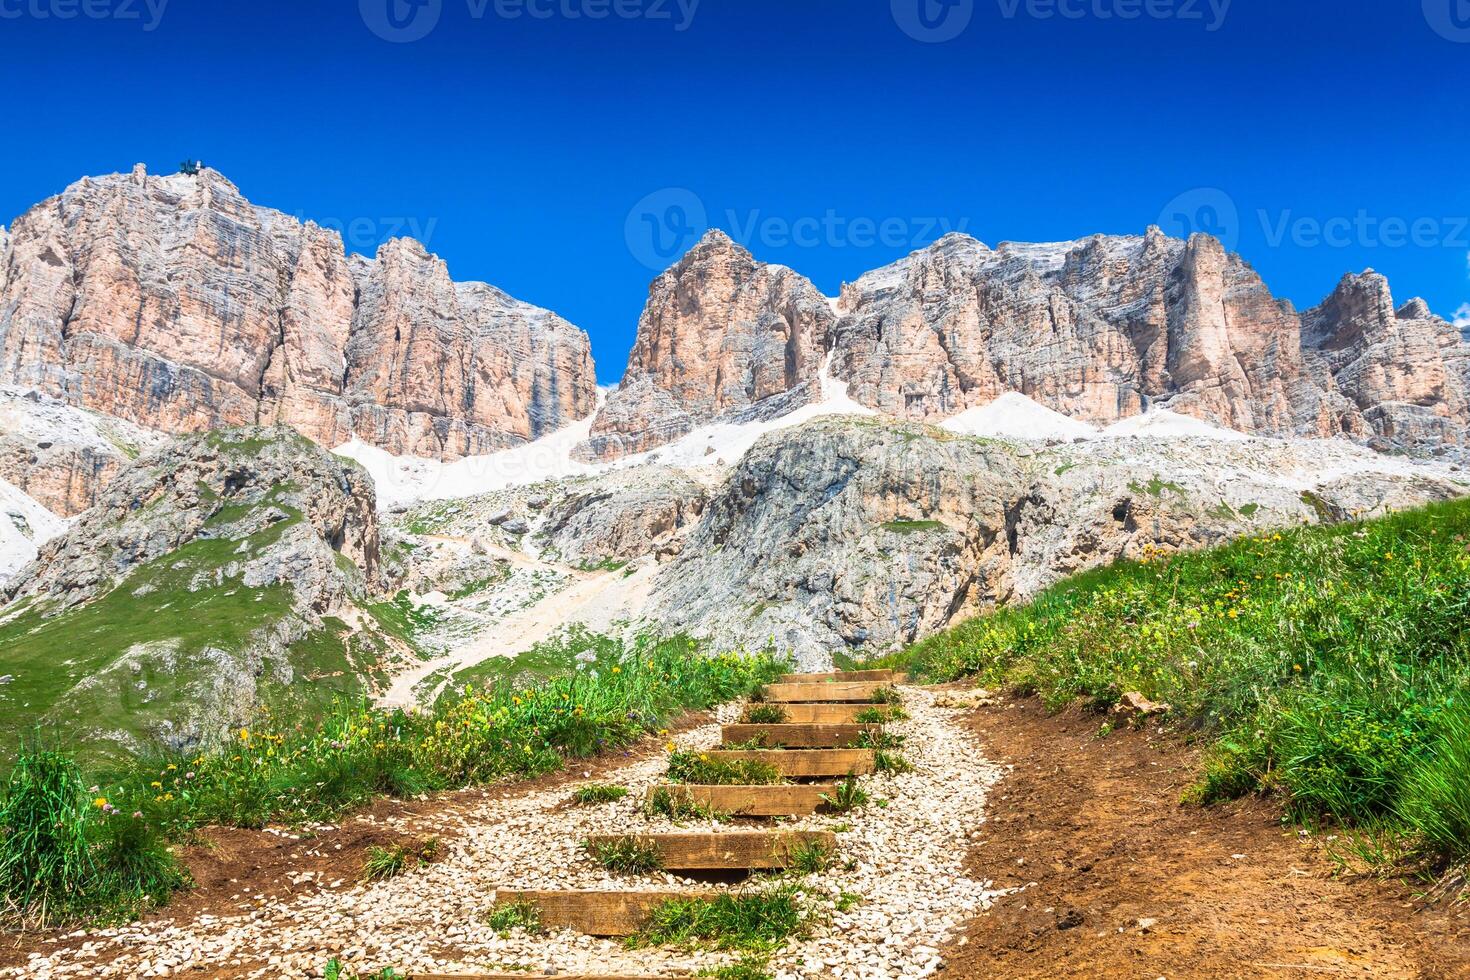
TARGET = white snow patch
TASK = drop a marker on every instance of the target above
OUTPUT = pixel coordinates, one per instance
(25, 525)
(1164, 424)
(1014, 416)
(406, 479)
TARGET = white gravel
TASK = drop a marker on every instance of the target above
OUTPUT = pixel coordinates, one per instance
(904, 859)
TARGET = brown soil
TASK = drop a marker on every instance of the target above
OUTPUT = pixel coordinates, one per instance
(1117, 878)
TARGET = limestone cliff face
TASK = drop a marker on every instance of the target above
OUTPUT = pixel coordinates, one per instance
(720, 337)
(1101, 329)
(1400, 377)
(176, 304)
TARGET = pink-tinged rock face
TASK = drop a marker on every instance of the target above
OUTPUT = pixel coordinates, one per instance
(175, 303)
(1100, 329)
(721, 334)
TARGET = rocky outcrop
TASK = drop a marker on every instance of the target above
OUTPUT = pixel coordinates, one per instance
(61, 455)
(720, 336)
(294, 506)
(1099, 329)
(847, 534)
(1398, 377)
(215, 574)
(621, 516)
(174, 303)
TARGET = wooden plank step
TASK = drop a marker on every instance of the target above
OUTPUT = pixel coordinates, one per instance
(596, 913)
(755, 801)
(807, 763)
(824, 714)
(838, 675)
(735, 851)
(860, 691)
(792, 736)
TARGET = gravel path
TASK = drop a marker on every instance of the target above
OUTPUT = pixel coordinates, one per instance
(904, 859)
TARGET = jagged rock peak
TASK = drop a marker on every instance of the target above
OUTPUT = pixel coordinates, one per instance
(722, 336)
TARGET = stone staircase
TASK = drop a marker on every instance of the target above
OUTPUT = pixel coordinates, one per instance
(815, 743)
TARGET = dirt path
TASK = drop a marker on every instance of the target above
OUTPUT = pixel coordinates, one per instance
(1117, 879)
(901, 884)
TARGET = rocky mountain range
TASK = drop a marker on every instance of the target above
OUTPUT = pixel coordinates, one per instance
(173, 303)
(175, 364)
(1099, 329)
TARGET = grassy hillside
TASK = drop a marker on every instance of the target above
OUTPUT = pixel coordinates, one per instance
(1328, 664)
(73, 851)
(186, 598)
(113, 673)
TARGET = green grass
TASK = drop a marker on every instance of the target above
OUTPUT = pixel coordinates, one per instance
(912, 527)
(665, 802)
(809, 858)
(745, 968)
(109, 674)
(1156, 487)
(598, 793)
(1330, 664)
(337, 970)
(850, 796)
(764, 714)
(383, 863)
(285, 770)
(631, 855)
(700, 769)
(877, 716)
(478, 585)
(758, 919)
(506, 916)
(68, 851)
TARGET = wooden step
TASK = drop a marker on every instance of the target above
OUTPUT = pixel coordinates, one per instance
(838, 675)
(807, 763)
(793, 736)
(735, 851)
(824, 714)
(755, 801)
(859, 691)
(596, 913)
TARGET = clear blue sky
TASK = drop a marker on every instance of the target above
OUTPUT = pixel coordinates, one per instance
(521, 146)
